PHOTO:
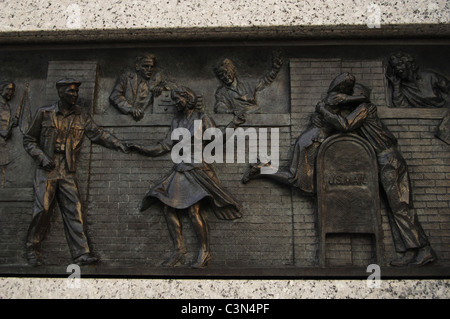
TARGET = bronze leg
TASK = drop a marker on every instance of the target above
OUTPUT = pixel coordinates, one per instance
(3, 177)
(43, 208)
(70, 206)
(201, 231)
(175, 230)
(282, 177)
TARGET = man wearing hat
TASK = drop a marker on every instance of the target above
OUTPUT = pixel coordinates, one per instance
(409, 237)
(54, 141)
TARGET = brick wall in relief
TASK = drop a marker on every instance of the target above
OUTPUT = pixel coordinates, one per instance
(279, 225)
(121, 234)
(426, 156)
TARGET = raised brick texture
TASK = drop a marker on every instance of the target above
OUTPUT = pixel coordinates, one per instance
(279, 226)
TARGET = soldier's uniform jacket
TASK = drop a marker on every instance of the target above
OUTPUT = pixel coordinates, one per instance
(5, 130)
(43, 137)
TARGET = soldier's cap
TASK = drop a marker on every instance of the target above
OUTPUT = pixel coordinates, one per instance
(66, 82)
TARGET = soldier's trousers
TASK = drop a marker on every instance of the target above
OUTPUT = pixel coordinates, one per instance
(58, 187)
(406, 229)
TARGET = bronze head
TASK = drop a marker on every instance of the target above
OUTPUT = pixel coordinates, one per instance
(145, 65)
(226, 72)
(7, 89)
(184, 98)
(68, 91)
(403, 65)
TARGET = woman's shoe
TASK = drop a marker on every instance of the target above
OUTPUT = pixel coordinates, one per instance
(202, 260)
(253, 171)
(178, 256)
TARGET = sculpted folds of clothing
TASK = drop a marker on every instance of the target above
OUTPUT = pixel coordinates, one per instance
(130, 92)
(365, 122)
(41, 137)
(394, 176)
(4, 153)
(302, 166)
(5, 122)
(5, 116)
(188, 183)
(427, 91)
(58, 186)
(240, 98)
(57, 136)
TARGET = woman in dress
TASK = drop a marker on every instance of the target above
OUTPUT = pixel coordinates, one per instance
(189, 184)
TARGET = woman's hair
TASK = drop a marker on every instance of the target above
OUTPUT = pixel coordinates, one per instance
(225, 65)
(403, 58)
(187, 93)
(341, 80)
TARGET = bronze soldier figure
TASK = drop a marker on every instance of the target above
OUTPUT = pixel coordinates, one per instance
(7, 123)
(54, 141)
(347, 108)
(362, 119)
(189, 184)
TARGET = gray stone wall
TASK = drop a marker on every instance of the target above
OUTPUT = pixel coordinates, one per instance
(34, 15)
